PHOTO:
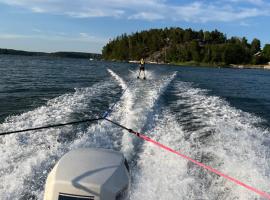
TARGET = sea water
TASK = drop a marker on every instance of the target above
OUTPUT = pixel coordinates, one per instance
(220, 117)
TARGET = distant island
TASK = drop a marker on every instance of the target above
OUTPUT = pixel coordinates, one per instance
(186, 46)
(94, 56)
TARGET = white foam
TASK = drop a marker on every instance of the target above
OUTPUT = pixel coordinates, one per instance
(123, 111)
(234, 145)
(134, 108)
(159, 174)
(24, 154)
(235, 142)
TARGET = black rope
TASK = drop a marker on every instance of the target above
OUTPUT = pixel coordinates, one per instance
(104, 117)
(68, 123)
(119, 125)
(51, 126)
(123, 127)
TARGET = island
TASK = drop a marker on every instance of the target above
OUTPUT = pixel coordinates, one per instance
(83, 55)
(188, 47)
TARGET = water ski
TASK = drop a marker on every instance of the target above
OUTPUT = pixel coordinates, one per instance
(144, 78)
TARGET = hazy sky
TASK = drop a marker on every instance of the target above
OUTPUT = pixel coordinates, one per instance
(86, 25)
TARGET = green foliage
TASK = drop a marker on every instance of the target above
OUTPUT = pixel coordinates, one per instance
(195, 50)
(22, 53)
(266, 51)
(255, 46)
(76, 55)
(56, 54)
(217, 53)
(234, 53)
(257, 60)
(176, 45)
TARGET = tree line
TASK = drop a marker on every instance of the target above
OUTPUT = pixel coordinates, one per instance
(172, 45)
(55, 54)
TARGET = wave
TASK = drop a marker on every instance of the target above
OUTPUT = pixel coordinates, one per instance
(136, 107)
(27, 157)
(203, 127)
(209, 130)
(228, 139)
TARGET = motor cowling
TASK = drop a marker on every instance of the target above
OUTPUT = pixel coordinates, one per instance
(89, 174)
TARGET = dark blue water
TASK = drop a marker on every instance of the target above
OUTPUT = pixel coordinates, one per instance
(28, 82)
(218, 116)
(246, 89)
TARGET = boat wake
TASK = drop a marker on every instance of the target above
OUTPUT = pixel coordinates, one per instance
(209, 130)
(203, 127)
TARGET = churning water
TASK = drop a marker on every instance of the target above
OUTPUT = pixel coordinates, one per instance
(220, 117)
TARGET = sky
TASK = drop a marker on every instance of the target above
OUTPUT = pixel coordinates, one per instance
(87, 25)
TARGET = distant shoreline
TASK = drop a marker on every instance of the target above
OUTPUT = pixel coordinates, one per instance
(214, 65)
(220, 65)
(96, 56)
(62, 54)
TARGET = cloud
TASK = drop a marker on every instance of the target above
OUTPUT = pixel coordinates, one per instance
(12, 36)
(84, 35)
(38, 10)
(45, 44)
(245, 24)
(210, 12)
(193, 11)
(90, 13)
(255, 2)
(54, 36)
(37, 30)
(147, 16)
(90, 38)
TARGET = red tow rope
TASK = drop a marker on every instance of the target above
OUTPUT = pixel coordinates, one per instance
(261, 193)
(144, 137)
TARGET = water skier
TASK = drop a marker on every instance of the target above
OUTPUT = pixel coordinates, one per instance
(142, 68)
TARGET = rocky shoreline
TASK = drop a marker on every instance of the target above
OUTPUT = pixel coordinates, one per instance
(196, 64)
(251, 66)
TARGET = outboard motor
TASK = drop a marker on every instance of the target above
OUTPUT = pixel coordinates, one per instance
(89, 174)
